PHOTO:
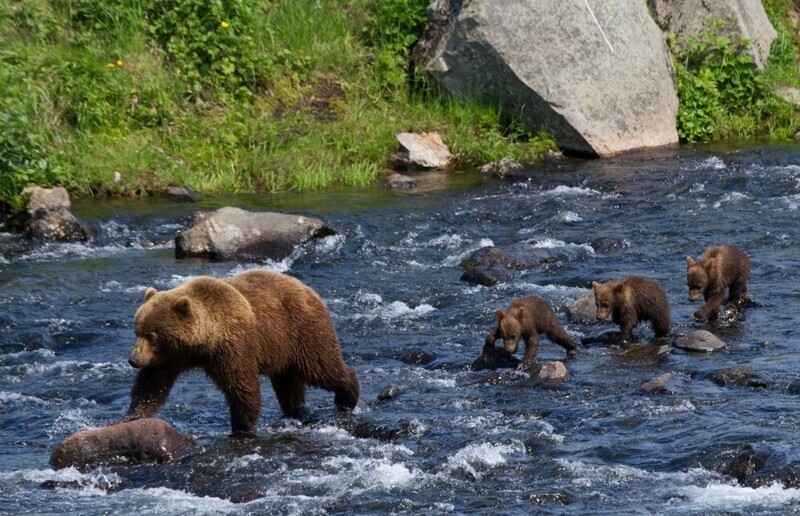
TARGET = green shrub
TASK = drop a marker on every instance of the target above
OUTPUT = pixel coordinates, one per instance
(394, 27)
(211, 44)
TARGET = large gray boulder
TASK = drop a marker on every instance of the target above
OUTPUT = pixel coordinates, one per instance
(598, 74)
(140, 440)
(47, 216)
(741, 19)
(236, 234)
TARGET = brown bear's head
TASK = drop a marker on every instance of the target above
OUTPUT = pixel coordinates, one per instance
(163, 324)
(604, 297)
(697, 274)
(510, 327)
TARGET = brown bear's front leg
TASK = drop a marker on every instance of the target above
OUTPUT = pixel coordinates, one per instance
(243, 394)
(290, 389)
(627, 323)
(347, 391)
(531, 346)
(488, 346)
(150, 391)
(711, 308)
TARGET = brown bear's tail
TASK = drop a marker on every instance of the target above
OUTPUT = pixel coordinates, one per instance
(347, 396)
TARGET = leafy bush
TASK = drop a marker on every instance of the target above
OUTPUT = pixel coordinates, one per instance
(394, 27)
(24, 158)
(716, 78)
(211, 44)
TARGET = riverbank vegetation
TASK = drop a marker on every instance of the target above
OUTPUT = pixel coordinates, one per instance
(127, 97)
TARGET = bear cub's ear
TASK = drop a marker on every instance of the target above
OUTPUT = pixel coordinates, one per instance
(183, 306)
(150, 292)
(689, 261)
(500, 315)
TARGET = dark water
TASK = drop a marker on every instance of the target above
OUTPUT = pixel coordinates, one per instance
(454, 440)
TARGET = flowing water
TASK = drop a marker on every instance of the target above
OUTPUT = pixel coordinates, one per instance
(453, 440)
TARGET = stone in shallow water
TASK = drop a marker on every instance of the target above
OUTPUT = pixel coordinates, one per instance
(549, 372)
(740, 376)
(701, 341)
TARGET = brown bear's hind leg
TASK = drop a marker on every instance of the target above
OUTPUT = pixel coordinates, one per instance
(290, 389)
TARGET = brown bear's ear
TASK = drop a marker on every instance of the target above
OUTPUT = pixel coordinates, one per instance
(500, 315)
(689, 261)
(711, 265)
(520, 313)
(183, 306)
(619, 287)
(596, 285)
(150, 292)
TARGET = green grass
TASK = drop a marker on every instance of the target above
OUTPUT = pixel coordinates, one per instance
(127, 97)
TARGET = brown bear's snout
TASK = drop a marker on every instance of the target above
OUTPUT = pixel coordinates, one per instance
(511, 346)
(141, 354)
(694, 296)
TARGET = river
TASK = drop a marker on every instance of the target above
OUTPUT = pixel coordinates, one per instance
(454, 440)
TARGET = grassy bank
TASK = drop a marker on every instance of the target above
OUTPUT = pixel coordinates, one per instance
(127, 97)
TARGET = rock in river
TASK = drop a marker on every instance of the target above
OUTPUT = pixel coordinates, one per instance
(236, 234)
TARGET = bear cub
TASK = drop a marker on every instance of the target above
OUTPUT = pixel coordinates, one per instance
(527, 318)
(235, 329)
(719, 268)
(630, 300)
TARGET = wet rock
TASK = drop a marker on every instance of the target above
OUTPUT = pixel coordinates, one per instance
(626, 96)
(504, 168)
(400, 182)
(236, 234)
(584, 310)
(549, 372)
(497, 360)
(643, 352)
(389, 392)
(182, 194)
(420, 151)
(417, 357)
(687, 20)
(490, 265)
(738, 376)
(551, 498)
(140, 440)
(794, 387)
(700, 341)
(658, 385)
(47, 216)
(746, 464)
(382, 432)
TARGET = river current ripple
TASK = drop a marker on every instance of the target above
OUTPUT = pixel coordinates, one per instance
(454, 440)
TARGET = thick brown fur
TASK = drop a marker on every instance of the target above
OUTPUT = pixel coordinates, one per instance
(527, 318)
(259, 322)
(719, 268)
(630, 300)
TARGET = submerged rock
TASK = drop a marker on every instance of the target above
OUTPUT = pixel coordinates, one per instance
(236, 234)
(140, 440)
(504, 168)
(496, 360)
(739, 376)
(400, 182)
(489, 265)
(47, 216)
(182, 194)
(389, 392)
(746, 464)
(701, 341)
(658, 385)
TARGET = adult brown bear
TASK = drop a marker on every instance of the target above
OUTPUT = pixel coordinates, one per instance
(234, 329)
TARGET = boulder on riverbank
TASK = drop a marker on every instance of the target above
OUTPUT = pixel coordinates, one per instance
(47, 216)
(687, 20)
(236, 234)
(420, 151)
(599, 76)
(137, 441)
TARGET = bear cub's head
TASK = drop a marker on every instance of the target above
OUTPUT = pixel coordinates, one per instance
(606, 296)
(697, 276)
(162, 324)
(510, 327)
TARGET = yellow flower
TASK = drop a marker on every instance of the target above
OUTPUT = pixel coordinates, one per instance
(224, 24)
(110, 65)
(119, 62)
